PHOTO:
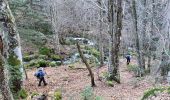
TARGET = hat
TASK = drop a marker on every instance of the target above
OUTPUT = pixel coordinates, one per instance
(40, 69)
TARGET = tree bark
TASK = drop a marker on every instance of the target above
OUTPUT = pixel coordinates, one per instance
(14, 48)
(116, 23)
(135, 22)
(111, 33)
(101, 37)
(87, 65)
(144, 22)
(6, 93)
(5, 89)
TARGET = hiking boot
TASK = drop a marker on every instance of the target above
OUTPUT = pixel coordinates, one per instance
(45, 84)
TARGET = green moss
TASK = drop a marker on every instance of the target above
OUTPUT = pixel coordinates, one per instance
(22, 94)
(57, 95)
(13, 60)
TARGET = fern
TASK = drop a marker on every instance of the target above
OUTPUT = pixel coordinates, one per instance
(152, 92)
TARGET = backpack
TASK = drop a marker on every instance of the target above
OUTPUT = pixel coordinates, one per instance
(39, 74)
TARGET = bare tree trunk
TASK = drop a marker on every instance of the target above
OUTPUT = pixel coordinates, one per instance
(111, 32)
(87, 65)
(54, 22)
(117, 41)
(101, 37)
(116, 23)
(144, 22)
(135, 21)
(149, 63)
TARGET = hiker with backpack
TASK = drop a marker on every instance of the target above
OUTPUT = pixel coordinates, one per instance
(128, 58)
(40, 75)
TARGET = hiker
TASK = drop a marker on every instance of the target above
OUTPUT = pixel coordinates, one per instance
(40, 75)
(128, 57)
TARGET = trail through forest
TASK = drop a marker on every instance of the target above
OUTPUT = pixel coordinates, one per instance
(73, 81)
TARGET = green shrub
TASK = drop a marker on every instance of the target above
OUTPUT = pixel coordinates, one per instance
(45, 51)
(34, 94)
(168, 90)
(22, 94)
(134, 68)
(106, 75)
(58, 63)
(55, 57)
(42, 57)
(43, 27)
(43, 63)
(87, 93)
(30, 57)
(52, 64)
(70, 42)
(57, 95)
(110, 83)
(152, 92)
(32, 63)
(95, 52)
(27, 58)
(99, 98)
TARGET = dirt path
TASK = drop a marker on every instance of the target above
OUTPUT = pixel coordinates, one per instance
(73, 82)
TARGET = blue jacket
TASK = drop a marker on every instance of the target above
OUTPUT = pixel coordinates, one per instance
(128, 56)
(40, 74)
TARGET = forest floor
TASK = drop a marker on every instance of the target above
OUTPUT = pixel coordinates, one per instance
(73, 81)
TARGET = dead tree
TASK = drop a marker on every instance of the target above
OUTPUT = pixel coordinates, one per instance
(87, 65)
